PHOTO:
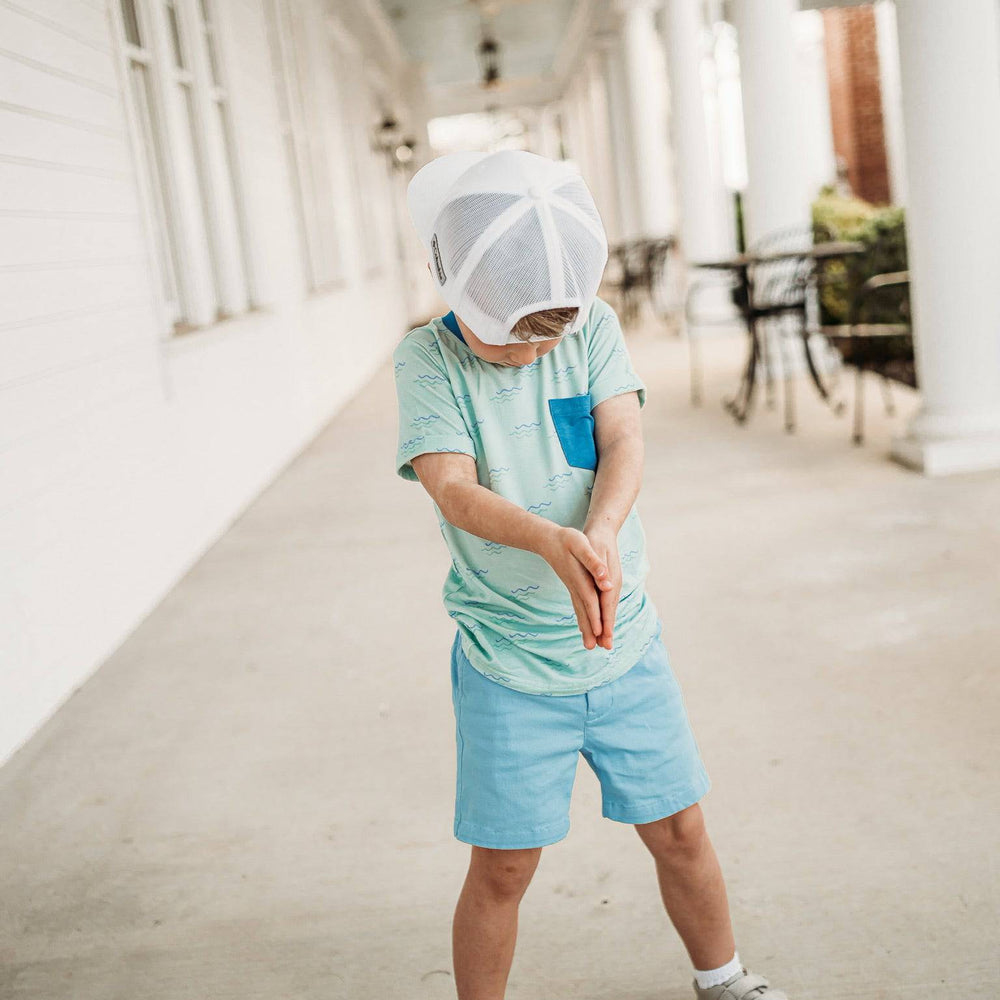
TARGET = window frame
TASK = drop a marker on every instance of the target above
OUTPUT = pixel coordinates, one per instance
(305, 100)
(190, 175)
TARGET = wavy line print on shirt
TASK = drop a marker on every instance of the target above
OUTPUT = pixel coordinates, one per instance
(524, 430)
(496, 614)
(414, 442)
(508, 616)
(526, 371)
(629, 556)
(613, 654)
(494, 546)
(541, 505)
(398, 367)
(474, 572)
(559, 480)
(503, 642)
(422, 420)
(466, 361)
(511, 617)
(507, 394)
(561, 374)
(525, 590)
(428, 378)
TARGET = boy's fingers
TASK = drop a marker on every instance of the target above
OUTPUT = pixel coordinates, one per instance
(609, 608)
(592, 605)
(587, 604)
(587, 554)
(583, 621)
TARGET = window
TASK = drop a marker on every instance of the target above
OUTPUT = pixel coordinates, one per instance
(308, 108)
(182, 118)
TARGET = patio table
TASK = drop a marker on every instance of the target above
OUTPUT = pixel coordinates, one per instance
(742, 266)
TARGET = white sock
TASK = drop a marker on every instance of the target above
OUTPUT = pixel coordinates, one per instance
(712, 977)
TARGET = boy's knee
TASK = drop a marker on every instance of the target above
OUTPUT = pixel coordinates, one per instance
(676, 836)
(504, 874)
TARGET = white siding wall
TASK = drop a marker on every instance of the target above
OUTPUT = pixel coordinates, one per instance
(125, 453)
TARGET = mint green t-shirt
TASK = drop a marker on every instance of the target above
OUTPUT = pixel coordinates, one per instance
(531, 433)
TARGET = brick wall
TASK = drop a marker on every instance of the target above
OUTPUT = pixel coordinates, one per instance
(856, 99)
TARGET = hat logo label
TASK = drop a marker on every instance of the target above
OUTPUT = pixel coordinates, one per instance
(437, 260)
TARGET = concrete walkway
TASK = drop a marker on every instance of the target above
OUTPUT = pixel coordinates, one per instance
(253, 798)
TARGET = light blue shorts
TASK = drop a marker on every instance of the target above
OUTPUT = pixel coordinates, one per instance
(517, 752)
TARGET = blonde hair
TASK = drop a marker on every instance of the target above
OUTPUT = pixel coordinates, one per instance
(547, 322)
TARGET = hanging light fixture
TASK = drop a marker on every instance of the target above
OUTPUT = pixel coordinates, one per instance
(488, 52)
(390, 140)
(403, 154)
(388, 134)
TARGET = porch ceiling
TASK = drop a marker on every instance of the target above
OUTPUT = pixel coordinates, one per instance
(442, 36)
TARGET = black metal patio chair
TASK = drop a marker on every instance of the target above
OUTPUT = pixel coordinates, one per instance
(636, 273)
(878, 338)
(784, 297)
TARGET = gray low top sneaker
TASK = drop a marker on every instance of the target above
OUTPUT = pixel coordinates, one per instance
(745, 985)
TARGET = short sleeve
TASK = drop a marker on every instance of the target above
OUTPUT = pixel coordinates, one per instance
(609, 365)
(429, 415)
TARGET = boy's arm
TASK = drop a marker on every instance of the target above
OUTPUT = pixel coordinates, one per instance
(620, 455)
(450, 478)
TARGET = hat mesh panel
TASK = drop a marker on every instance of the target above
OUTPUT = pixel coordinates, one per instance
(513, 272)
(585, 254)
(571, 286)
(577, 194)
(463, 221)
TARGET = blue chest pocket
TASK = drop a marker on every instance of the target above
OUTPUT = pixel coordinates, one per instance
(575, 427)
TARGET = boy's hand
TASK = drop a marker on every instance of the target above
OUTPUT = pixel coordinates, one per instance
(584, 572)
(605, 544)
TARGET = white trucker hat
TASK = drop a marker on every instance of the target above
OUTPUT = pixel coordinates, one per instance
(507, 234)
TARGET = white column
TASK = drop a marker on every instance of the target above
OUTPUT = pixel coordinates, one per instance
(573, 127)
(778, 195)
(547, 131)
(620, 131)
(646, 82)
(887, 37)
(950, 73)
(583, 96)
(704, 205)
(605, 194)
(819, 160)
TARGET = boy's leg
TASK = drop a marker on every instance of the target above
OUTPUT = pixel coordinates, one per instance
(517, 755)
(691, 885)
(640, 744)
(484, 930)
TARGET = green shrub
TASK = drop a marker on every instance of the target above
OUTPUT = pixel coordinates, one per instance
(882, 230)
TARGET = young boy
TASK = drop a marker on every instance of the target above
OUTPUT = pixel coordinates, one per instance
(519, 414)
